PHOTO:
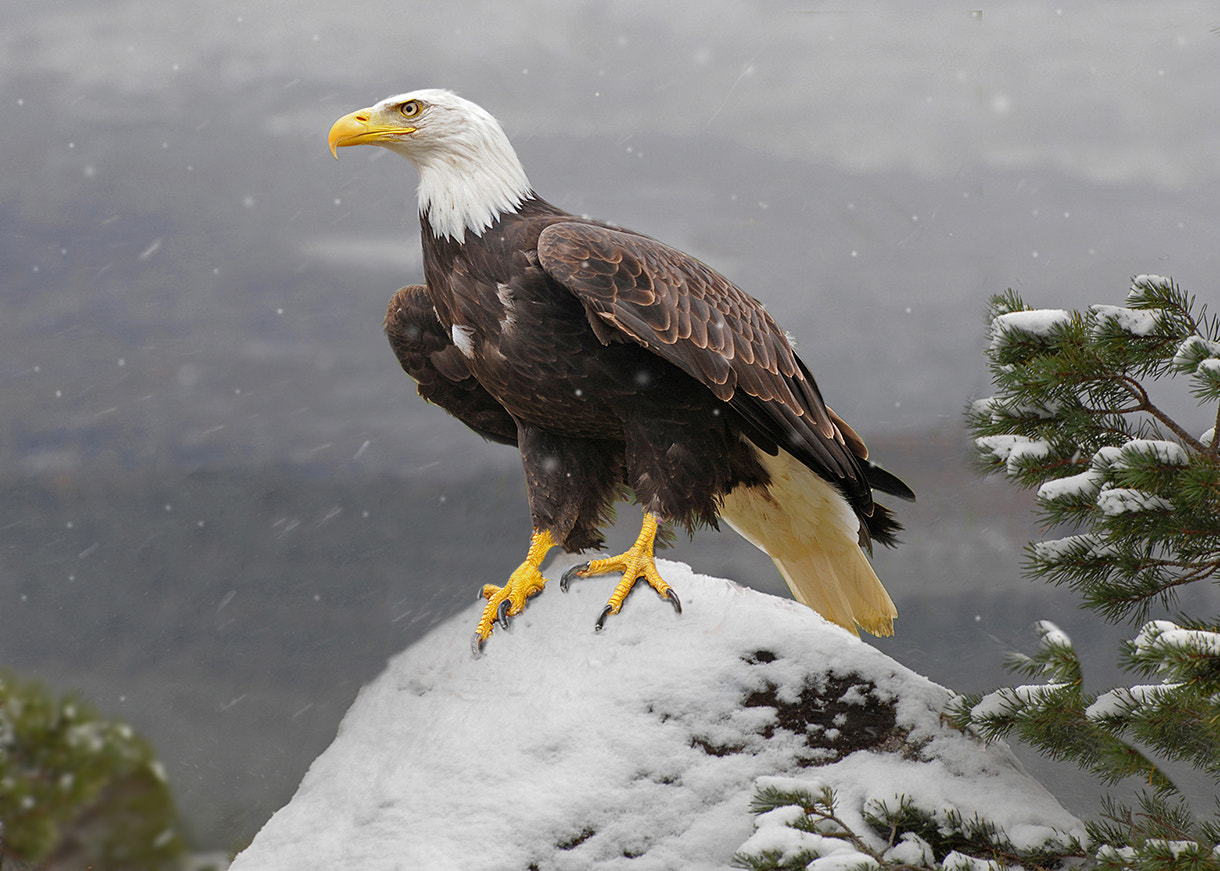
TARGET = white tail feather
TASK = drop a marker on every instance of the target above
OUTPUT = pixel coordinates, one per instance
(811, 534)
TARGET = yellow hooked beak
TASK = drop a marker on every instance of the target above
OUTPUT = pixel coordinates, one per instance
(358, 128)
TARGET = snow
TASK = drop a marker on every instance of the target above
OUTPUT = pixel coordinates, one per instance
(1005, 700)
(1084, 485)
(1192, 351)
(1163, 634)
(956, 861)
(1209, 368)
(1176, 848)
(844, 860)
(988, 406)
(1117, 854)
(1086, 544)
(1151, 631)
(1012, 449)
(1127, 500)
(1049, 634)
(640, 746)
(1141, 284)
(1039, 322)
(1107, 457)
(1116, 500)
(1137, 322)
(776, 835)
(911, 850)
(996, 410)
(1166, 453)
(1122, 700)
(1105, 706)
(1035, 449)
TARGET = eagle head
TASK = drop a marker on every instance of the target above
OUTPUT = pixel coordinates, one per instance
(469, 173)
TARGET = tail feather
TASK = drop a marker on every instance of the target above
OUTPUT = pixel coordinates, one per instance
(812, 535)
(844, 591)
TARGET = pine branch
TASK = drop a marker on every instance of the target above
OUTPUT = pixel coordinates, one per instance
(1147, 406)
(1074, 416)
(818, 811)
(931, 837)
(1213, 450)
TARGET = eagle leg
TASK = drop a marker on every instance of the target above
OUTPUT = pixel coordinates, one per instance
(636, 563)
(509, 600)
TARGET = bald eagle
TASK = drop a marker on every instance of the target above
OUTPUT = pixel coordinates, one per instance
(618, 366)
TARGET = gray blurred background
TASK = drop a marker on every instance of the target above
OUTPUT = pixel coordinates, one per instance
(223, 506)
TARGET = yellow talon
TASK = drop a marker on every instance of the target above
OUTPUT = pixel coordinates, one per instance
(636, 563)
(509, 600)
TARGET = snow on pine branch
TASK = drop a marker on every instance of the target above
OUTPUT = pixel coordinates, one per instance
(1008, 701)
(1127, 500)
(1163, 635)
(1097, 485)
(1147, 290)
(1072, 488)
(1194, 351)
(1137, 322)
(1085, 545)
(997, 410)
(1123, 701)
(1160, 451)
(1024, 325)
(1050, 634)
(1011, 450)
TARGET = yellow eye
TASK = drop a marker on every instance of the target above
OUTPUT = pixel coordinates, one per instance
(410, 109)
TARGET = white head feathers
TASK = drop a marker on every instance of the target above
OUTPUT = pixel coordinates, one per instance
(469, 173)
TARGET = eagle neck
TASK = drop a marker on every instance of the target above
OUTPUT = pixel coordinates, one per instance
(466, 190)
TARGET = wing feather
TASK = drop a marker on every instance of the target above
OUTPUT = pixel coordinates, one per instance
(696, 319)
(426, 352)
(700, 313)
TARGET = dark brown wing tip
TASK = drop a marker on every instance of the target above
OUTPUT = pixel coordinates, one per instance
(887, 482)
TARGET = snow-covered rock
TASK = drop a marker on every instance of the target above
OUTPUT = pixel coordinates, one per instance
(637, 747)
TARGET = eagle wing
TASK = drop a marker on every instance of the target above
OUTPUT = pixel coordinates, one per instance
(427, 353)
(644, 291)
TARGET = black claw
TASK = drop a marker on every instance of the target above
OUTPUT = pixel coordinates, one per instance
(476, 645)
(601, 621)
(502, 614)
(572, 572)
(673, 599)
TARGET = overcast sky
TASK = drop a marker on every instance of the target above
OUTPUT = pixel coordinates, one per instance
(871, 172)
(1115, 92)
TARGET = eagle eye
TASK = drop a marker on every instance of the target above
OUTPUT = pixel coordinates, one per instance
(410, 109)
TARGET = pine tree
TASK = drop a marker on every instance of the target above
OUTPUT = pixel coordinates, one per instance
(808, 828)
(79, 791)
(1139, 495)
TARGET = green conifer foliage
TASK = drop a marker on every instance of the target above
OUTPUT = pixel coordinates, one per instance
(1135, 496)
(897, 834)
(78, 791)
